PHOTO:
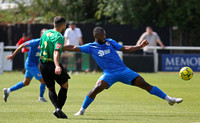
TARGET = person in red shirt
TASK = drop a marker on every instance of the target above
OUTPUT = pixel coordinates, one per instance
(23, 40)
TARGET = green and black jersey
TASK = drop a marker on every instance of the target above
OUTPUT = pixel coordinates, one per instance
(51, 40)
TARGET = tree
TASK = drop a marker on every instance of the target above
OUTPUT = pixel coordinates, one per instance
(183, 14)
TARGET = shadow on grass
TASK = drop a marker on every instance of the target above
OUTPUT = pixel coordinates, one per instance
(134, 115)
(101, 119)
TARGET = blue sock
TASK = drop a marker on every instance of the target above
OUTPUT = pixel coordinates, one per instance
(17, 86)
(87, 102)
(42, 89)
(156, 91)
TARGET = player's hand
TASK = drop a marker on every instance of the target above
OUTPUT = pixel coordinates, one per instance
(10, 57)
(144, 43)
(58, 70)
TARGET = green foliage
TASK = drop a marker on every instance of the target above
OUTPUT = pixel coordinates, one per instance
(184, 14)
(136, 12)
(43, 11)
(76, 10)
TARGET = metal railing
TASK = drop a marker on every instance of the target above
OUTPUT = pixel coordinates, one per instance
(156, 48)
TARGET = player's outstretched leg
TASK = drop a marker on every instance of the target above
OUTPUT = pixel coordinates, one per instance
(99, 87)
(42, 90)
(6, 91)
(140, 82)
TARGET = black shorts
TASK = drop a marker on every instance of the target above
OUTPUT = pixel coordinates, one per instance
(49, 76)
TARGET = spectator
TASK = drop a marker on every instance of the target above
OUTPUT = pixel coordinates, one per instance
(152, 38)
(73, 36)
(22, 40)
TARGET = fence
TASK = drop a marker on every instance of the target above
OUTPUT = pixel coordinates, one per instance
(194, 58)
(156, 48)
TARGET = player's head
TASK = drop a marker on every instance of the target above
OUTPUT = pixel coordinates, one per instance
(99, 35)
(149, 30)
(59, 23)
(72, 25)
(42, 31)
(24, 34)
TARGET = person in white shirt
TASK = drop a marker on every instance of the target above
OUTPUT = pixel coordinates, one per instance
(152, 38)
(73, 36)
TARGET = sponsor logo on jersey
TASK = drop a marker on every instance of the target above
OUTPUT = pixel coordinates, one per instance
(58, 46)
(27, 43)
(107, 43)
(103, 52)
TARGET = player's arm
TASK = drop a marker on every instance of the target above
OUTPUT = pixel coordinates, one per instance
(56, 62)
(39, 47)
(56, 58)
(71, 48)
(134, 48)
(11, 57)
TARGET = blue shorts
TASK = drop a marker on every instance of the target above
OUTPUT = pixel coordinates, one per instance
(33, 71)
(124, 75)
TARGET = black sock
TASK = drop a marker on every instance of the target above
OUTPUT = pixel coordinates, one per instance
(62, 96)
(53, 97)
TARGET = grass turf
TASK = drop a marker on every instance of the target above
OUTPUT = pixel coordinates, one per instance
(121, 103)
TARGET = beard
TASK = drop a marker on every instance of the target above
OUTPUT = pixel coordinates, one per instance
(100, 42)
(62, 32)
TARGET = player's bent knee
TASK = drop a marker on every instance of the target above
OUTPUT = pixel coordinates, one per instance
(42, 81)
(65, 85)
(26, 82)
(51, 88)
(140, 82)
(97, 89)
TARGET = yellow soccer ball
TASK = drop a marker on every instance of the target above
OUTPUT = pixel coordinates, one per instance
(186, 73)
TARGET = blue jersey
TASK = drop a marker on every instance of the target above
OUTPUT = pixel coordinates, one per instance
(34, 53)
(105, 55)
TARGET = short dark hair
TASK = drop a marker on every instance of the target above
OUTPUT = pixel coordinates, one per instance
(24, 34)
(72, 23)
(59, 21)
(98, 30)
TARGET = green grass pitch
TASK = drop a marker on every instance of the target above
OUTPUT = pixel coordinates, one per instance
(121, 103)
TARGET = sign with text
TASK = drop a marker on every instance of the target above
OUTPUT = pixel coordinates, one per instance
(174, 62)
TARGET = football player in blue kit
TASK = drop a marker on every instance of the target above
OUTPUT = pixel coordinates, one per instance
(31, 66)
(104, 52)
